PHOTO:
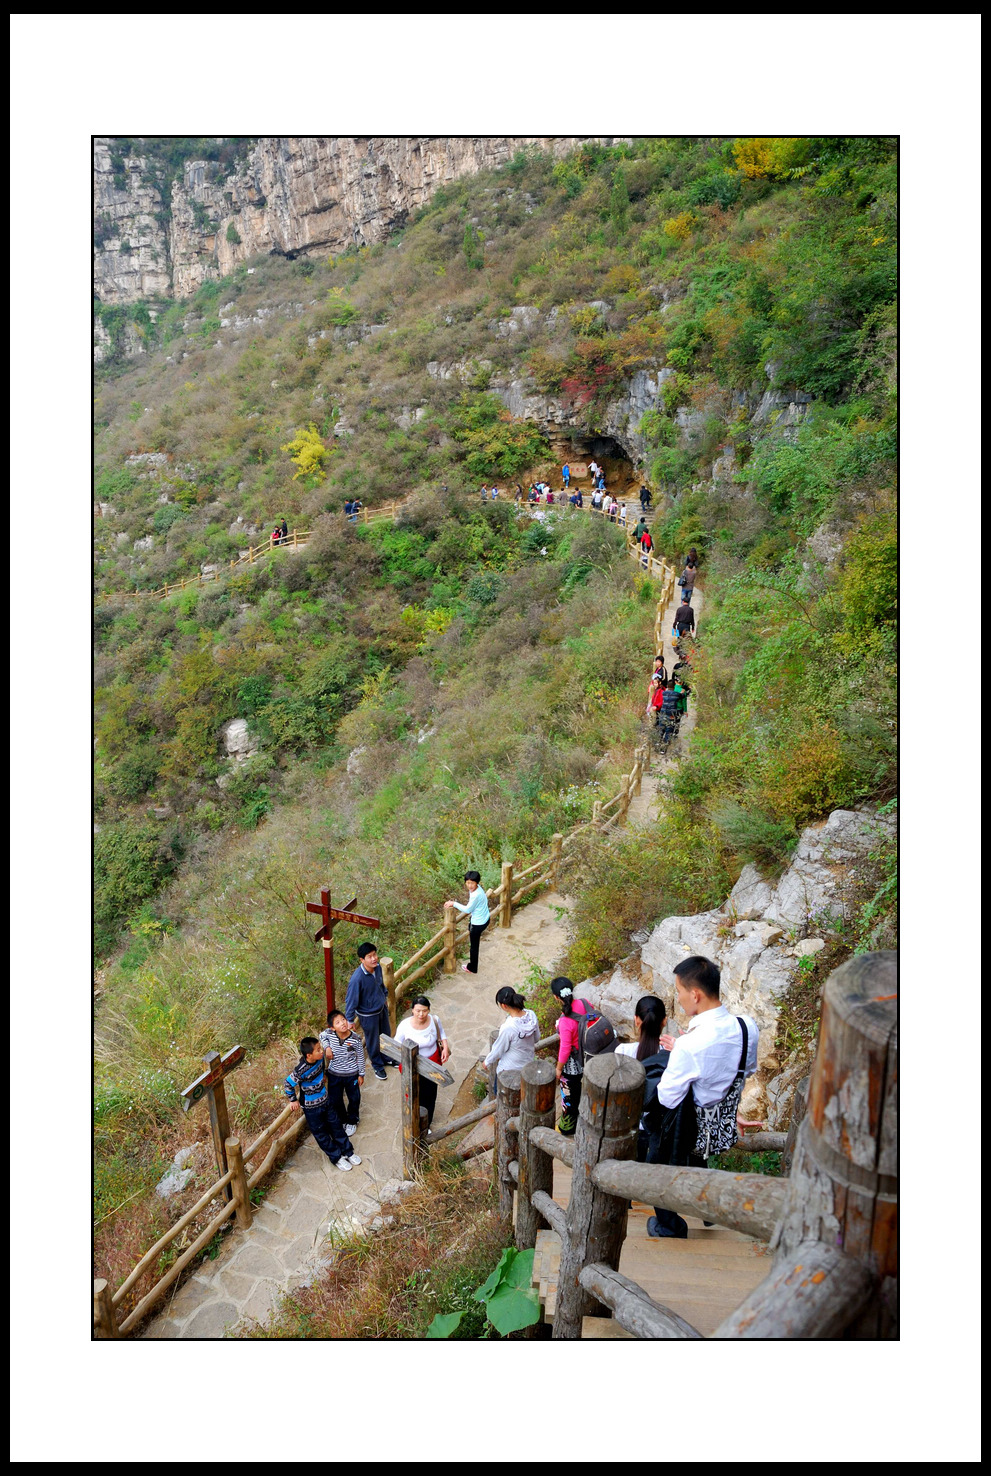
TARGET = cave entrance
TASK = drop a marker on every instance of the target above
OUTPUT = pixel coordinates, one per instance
(622, 478)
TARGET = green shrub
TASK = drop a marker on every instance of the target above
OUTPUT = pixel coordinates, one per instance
(130, 862)
(758, 838)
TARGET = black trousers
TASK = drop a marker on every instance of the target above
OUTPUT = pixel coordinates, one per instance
(343, 1088)
(325, 1125)
(428, 1097)
(475, 932)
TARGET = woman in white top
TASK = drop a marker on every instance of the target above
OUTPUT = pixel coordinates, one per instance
(517, 1040)
(423, 1029)
(478, 917)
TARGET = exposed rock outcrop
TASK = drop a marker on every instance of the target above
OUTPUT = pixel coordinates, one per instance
(291, 195)
(752, 938)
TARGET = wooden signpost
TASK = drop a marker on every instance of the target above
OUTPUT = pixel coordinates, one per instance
(211, 1086)
(325, 934)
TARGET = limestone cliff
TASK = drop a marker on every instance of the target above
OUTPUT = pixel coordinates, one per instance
(290, 195)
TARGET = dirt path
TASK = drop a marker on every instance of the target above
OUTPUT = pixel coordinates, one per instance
(644, 806)
(310, 1202)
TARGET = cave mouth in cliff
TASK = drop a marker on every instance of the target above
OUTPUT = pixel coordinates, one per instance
(622, 477)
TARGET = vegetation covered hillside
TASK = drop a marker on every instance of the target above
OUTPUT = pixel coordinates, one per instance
(453, 688)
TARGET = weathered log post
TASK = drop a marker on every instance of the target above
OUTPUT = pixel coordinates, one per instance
(389, 980)
(239, 1183)
(536, 1169)
(612, 1100)
(506, 896)
(557, 841)
(843, 1185)
(596, 814)
(104, 1316)
(799, 1103)
(450, 942)
(411, 1110)
(507, 1106)
(638, 768)
(624, 803)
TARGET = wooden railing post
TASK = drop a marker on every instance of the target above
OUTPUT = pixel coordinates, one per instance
(638, 771)
(411, 1110)
(624, 803)
(843, 1185)
(294, 539)
(450, 942)
(611, 1104)
(596, 813)
(536, 1169)
(506, 896)
(389, 980)
(557, 841)
(251, 553)
(507, 1106)
(239, 1183)
(104, 1316)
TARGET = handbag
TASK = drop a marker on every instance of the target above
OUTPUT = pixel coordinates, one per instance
(435, 1053)
(717, 1131)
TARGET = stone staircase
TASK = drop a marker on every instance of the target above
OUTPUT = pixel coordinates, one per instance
(703, 1278)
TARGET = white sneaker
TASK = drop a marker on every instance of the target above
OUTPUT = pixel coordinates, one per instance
(353, 1161)
(350, 1128)
(344, 1164)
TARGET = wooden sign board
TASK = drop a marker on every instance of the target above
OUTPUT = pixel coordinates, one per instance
(199, 1088)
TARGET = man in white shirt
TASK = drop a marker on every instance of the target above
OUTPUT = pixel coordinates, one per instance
(703, 1063)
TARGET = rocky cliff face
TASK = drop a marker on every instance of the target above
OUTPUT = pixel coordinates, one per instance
(756, 938)
(291, 195)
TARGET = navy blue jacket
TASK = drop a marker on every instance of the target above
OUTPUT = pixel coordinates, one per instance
(367, 993)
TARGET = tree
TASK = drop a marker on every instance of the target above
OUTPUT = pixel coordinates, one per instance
(309, 453)
(472, 248)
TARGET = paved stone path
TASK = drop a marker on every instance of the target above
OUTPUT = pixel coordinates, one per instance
(310, 1202)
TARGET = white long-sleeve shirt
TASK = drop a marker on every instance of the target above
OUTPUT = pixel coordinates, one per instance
(427, 1039)
(707, 1057)
(477, 909)
(515, 1044)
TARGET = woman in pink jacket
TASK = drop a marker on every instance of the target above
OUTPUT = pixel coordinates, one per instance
(569, 1064)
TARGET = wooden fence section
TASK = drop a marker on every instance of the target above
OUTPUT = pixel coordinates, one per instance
(832, 1223)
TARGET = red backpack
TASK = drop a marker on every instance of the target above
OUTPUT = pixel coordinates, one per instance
(596, 1035)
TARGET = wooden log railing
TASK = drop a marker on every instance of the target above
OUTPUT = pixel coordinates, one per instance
(831, 1224)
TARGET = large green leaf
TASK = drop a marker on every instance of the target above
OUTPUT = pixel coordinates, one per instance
(444, 1324)
(494, 1279)
(519, 1270)
(511, 1308)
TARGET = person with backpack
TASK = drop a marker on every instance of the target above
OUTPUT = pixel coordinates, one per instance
(687, 581)
(514, 1046)
(345, 1057)
(640, 529)
(582, 1031)
(646, 544)
(424, 1030)
(367, 1003)
(478, 917)
(306, 1086)
(704, 1076)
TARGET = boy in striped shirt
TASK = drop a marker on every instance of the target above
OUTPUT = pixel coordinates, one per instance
(345, 1057)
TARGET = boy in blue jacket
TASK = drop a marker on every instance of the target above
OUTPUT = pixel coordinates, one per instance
(306, 1086)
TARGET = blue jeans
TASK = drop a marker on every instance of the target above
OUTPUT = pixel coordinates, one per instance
(325, 1125)
(341, 1087)
(373, 1026)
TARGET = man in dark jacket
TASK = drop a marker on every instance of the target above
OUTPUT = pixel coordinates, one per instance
(684, 620)
(367, 1003)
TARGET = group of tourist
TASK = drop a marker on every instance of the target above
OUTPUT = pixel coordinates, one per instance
(352, 508)
(280, 533)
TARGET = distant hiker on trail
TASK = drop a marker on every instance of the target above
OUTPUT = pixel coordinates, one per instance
(345, 1057)
(704, 1077)
(640, 529)
(593, 471)
(478, 917)
(276, 534)
(655, 699)
(646, 544)
(687, 580)
(306, 1087)
(643, 498)
(519, 493)
(367, 1004)
(495, 492)
(646, 494)
(566, 474)
(285, 531)
(622, 515)
(516, 1042)
(613, 510)
(597, 500)
(576, 1024)
(684, 620)
(550, 495)
(424, 1030)
(532, 494)
(579, 500)
(692, 556)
